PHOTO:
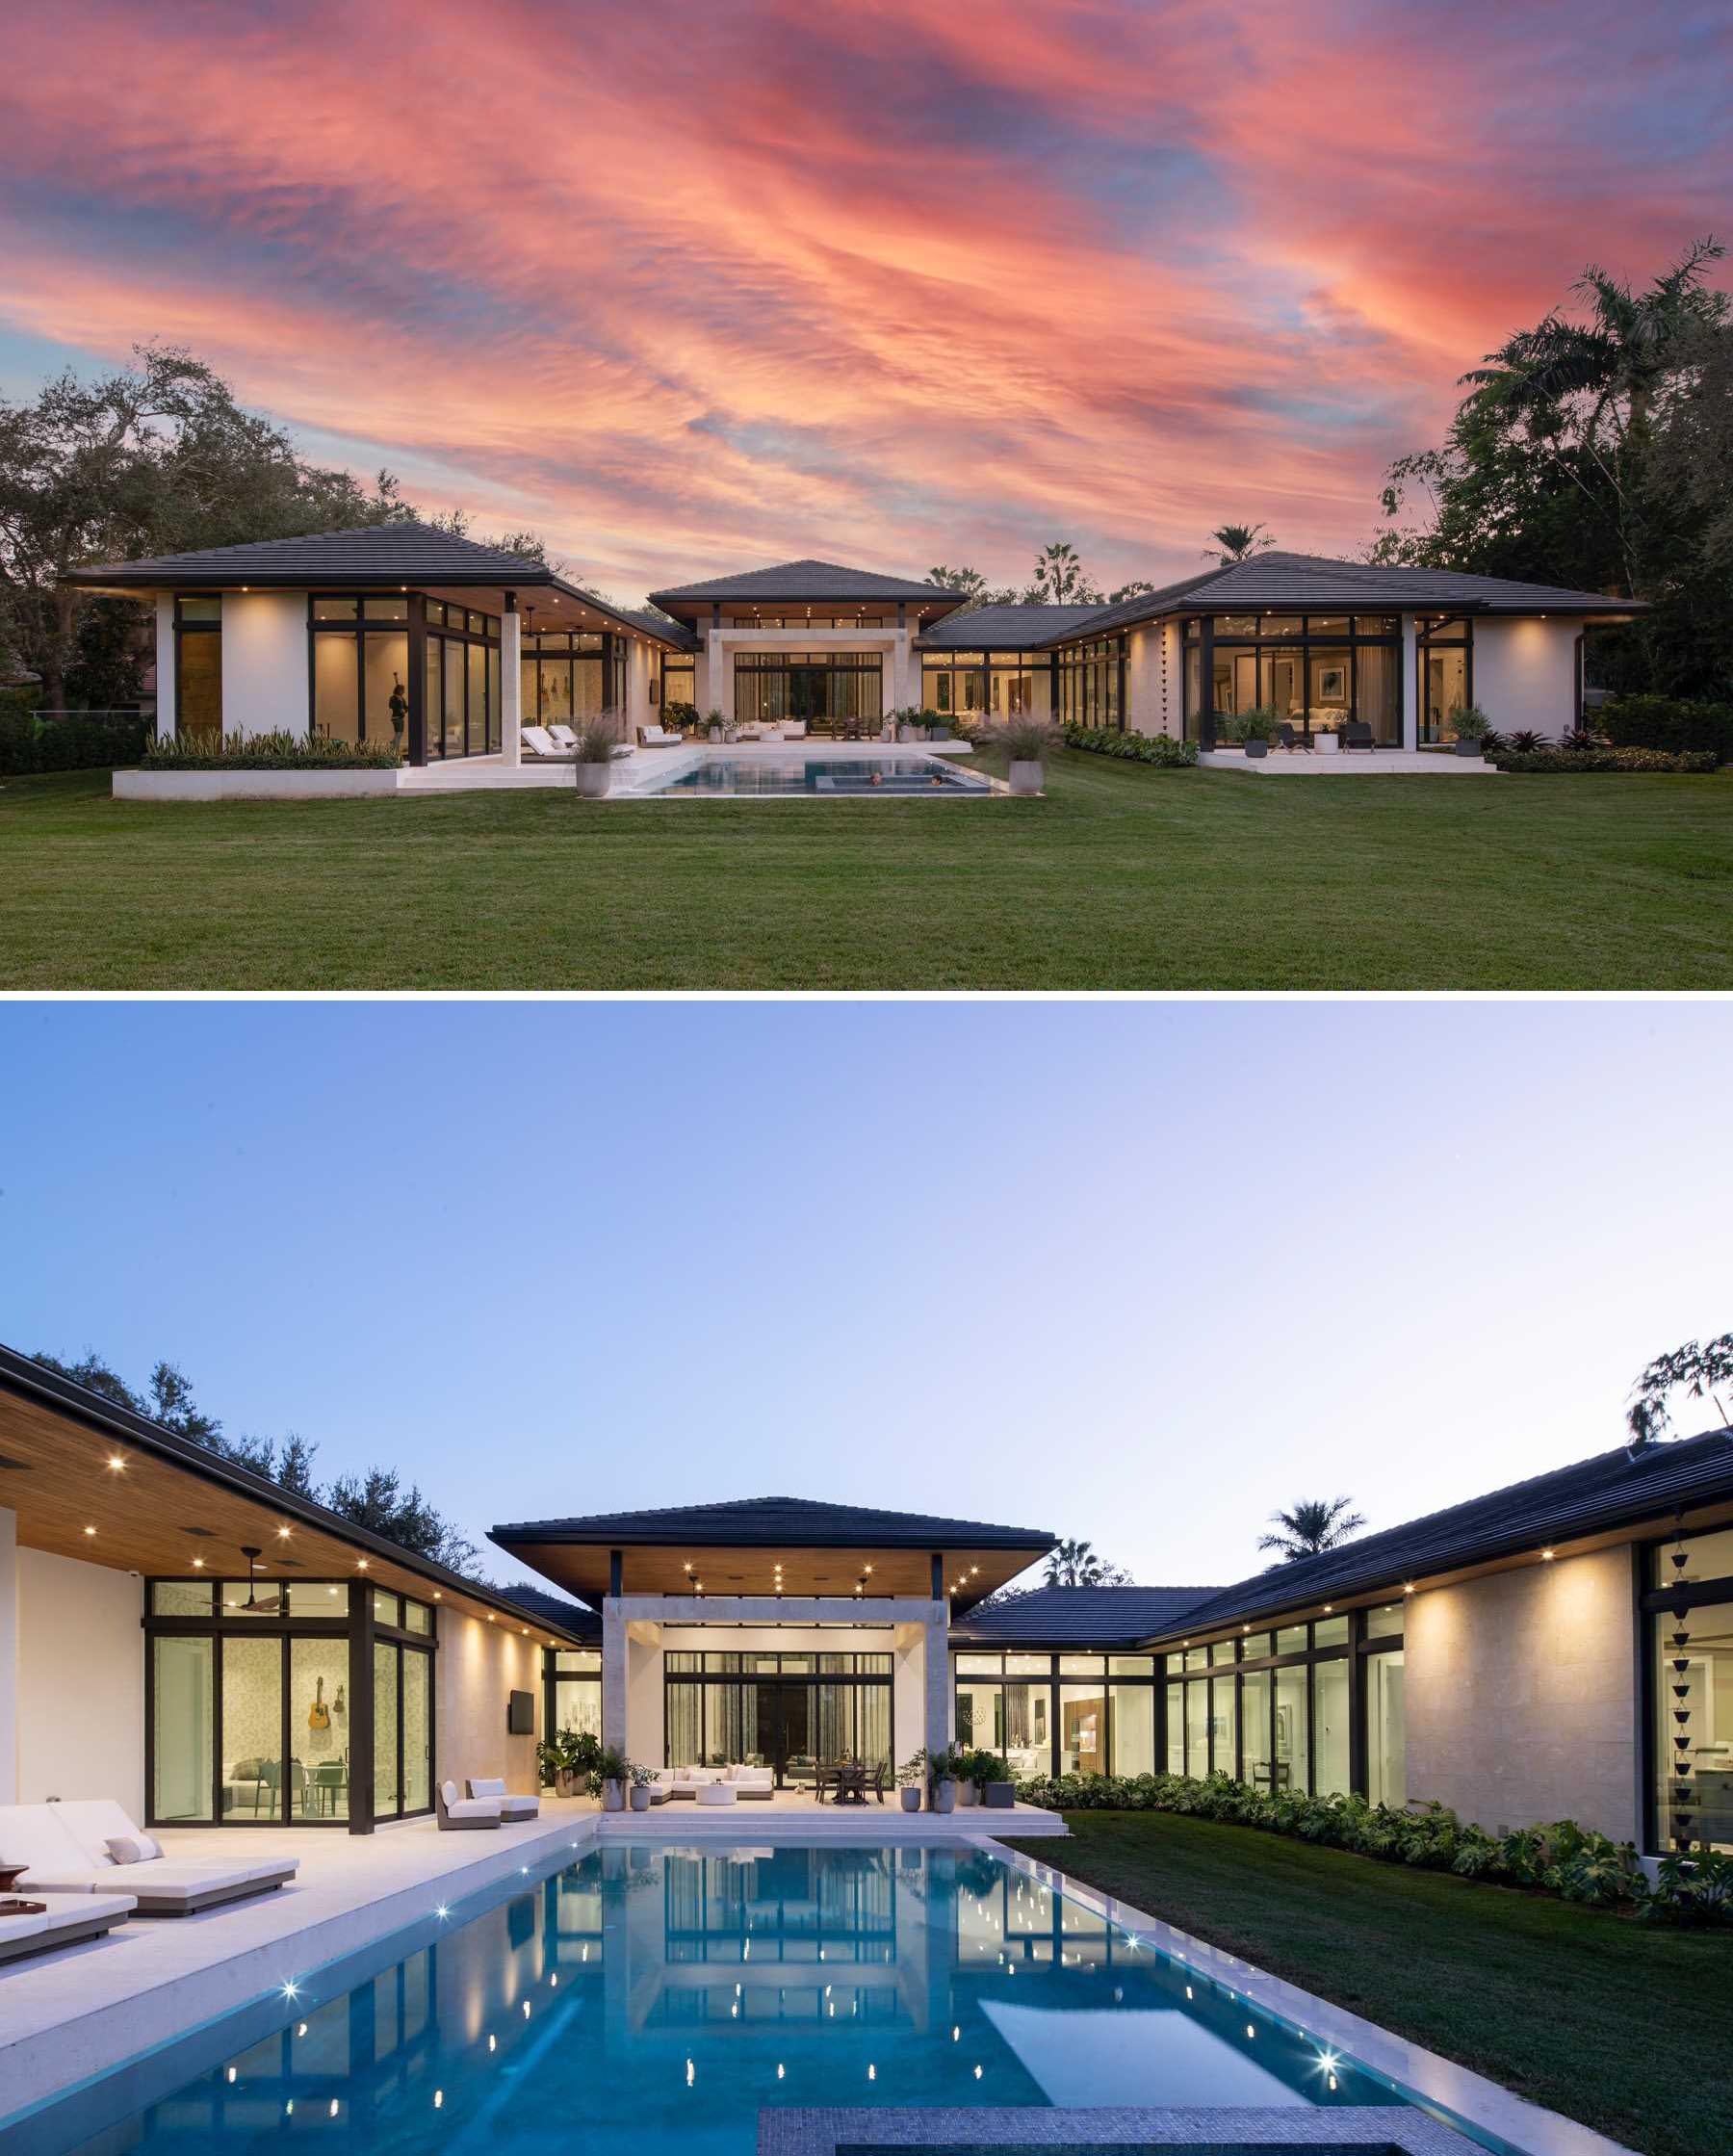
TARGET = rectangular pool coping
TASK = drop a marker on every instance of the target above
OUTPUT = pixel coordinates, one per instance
(1226, 2130)
(1494, 2115)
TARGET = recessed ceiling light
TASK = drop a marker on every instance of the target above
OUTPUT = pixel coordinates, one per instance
(115, 1462)
(89, 1530)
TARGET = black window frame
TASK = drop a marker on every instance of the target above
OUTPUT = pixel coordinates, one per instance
(710, 1681)
(1056, 1679)
(1447, 632)
(1204, 633)
(185, 628)
(358, 628)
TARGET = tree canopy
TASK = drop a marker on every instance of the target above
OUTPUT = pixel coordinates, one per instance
(1595, 450)
(1703, 1370)
(1076, 1564)
(1309, 1526)
(375, 1500)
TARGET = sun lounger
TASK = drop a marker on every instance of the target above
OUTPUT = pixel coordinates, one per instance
(66, 1920)
(510, 1808)
(540, 742)
(464, 1815)
(68, 1849)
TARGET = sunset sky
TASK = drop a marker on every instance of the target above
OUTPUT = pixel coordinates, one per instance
(691, 287)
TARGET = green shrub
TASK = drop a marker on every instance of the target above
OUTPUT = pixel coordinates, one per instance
(1560, 1857)
(1137, 748)
(1665, 722)
(267, 752)
(30, 742)
(1559, 760)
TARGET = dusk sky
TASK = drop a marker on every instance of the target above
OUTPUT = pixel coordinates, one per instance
(1138, 1273)
(688, 288)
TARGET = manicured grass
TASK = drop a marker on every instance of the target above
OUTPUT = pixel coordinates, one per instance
(1625, 2026)
(1123, 877)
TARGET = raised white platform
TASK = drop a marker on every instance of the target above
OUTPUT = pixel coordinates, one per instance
(643, 767)
(789, 1815)
(1382, 763)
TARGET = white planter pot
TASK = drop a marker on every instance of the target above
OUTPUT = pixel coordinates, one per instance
(944, 1795)
(911, 1799)
(593, 780)
(640, 1799)
(715, 734)
(968, 1796)
(1025, 778)
(1327, 745)
(613, 1796)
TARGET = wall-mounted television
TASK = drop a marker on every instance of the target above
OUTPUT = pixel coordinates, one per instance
(520, 1714)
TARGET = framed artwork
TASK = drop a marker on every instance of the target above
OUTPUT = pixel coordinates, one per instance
(1332, 684)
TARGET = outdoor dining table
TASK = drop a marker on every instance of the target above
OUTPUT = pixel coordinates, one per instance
(851, 1786)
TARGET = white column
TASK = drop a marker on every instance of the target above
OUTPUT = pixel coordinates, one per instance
(613, 1673)
(9, 1657)
(165, 687)
(901, 694)
(511, 687)
(1411, 684)
(938, 1677)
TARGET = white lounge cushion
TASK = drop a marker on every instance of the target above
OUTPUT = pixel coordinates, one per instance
(541, 742)
(133, 1849)
(34, 1834)
(484, 1785)
(510, 1808)
(752, 1778)
(697, 1777)
(90, 1823)
(474, 1808)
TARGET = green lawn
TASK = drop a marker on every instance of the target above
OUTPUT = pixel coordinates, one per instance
(1625, 2026)
(1123, 877)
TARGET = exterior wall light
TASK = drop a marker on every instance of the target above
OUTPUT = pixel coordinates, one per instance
(117, 1463)
(1547, 1555)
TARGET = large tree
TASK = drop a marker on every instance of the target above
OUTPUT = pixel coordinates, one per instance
(1310, 1527)
(1236, 542)
(1592, 451)
(1075, 1564)
(1703, 1370)
(375, 1500)
(151, 458)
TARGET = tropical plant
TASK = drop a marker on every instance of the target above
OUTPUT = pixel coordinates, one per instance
(1260, 723)
(597, 736)
(912, 1773)
(1525, 741)
(567, 1752)
(1074, 1563)
(1237, 542)
(1469, 723)
(610, 1764)
(983, 1767)
(1698, 1367)
(678, 715)
(1134, 749)
(1310, 1527)
(267, 752)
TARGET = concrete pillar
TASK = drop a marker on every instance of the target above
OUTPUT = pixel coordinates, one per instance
(9, 1658)
(938, 1677)
(165, 684)
(902, 691)
(511, 682)
(1410, 685)
(613, 1673)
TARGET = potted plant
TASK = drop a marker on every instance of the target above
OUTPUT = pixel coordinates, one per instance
(565, 1759)
(1327, 739)
(1471, 726)
(1256, 729)
(609, 1776)
(643, 1780)
(597, 739)
(942, 1779)
(1027, 743)
(910, 1779)
(937, 725)
(908, 724)
(992, 1780)
(713, 723)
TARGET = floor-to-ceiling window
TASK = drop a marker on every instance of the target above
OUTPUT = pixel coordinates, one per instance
(360, 666)
(1092, 683)
(574, 1675)
(1058, 1713)
(1272, 1707)
(1688, 1610)
(462, 683)
(250, 1716)
(198, 666)
(1315, 672)
(1444, 653)
(793, 1710)
(679, 696)
(826, 689)
(954, 683)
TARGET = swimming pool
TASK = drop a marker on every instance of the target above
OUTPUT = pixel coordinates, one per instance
(821, 776)
(652, 2000)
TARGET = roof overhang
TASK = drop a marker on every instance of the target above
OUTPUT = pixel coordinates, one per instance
(92, 1481)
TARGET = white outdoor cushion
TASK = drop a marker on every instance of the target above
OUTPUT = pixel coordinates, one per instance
(36, 1835)
(520, 1807)
(716, 1793)
(696, 1777)
(473, 1808)
(88, 1823)
(483, 1785)
(133, 1849)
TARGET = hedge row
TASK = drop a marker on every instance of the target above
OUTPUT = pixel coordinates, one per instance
(29, 743)
(1666, 723)
(1605, 759)
(267, 752)
(1136, 748)
(1560, 1859)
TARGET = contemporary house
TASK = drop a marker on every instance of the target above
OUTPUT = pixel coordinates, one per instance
(401, 631)
(181, 1634)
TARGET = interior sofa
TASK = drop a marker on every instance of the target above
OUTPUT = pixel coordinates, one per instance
(751, 1784)
(65, 1921)
(69, 1848)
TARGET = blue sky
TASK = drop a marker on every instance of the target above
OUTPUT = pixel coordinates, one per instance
(1134, 1272)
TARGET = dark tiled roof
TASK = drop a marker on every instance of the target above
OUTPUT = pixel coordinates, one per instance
(1302, 583)
(1003, 628)
(1613, 1490)
(376, 554)
(660, 625)
(750, 1522)
(555, 1609)
(807, 579)
(1078, 1616)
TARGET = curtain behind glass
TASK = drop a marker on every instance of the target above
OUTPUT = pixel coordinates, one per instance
(183, 1704)
(1378, 669)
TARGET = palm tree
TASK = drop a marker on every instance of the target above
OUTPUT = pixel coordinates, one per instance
(1237, 542)
(1075, 1564)
(1310, 1528)
(1061, 579)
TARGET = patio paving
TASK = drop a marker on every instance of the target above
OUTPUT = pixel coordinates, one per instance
(1382, 763)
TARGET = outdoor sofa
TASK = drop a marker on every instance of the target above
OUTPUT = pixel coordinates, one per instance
(80, 1845)
(64, 1921)
(510, 1808)
(464, 1815)
(752, 1784)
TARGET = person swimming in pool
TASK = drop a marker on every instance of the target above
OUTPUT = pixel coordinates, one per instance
(878, 778)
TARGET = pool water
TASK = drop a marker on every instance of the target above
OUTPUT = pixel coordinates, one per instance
(652, 2000)
(823, 775)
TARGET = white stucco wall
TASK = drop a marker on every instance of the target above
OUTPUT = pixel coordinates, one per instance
(9, 1657)
(1521, 1693)
(80, 1681)
(1525, 674)
(1152, 683)
(264, 663)
(478, 1664)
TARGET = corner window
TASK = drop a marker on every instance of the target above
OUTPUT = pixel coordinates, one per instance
(199, 667)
